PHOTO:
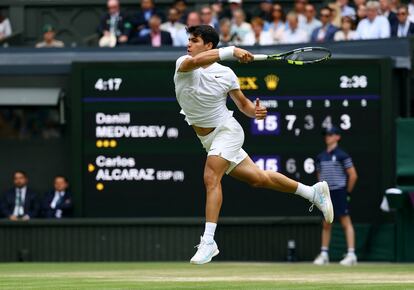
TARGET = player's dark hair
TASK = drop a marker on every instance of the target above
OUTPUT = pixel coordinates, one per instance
(21, 172)
(206, 32)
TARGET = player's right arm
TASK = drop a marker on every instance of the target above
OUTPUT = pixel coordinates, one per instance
(211, 56)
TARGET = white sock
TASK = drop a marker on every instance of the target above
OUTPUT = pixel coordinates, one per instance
(208, 235)
(324, 251)
(351, 251)
(305, 191)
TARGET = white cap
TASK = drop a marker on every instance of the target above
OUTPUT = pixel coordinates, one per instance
(235, 1)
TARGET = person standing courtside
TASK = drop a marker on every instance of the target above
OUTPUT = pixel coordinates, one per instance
(202, 86)
(336, 167)
(19, 203)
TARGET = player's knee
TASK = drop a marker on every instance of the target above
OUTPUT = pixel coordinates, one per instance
(326, 226)
(210, 179)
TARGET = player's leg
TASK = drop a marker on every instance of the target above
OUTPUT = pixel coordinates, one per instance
(213, 173)
(214, 170)
(318, 194)
(350, 258)
(323, 257)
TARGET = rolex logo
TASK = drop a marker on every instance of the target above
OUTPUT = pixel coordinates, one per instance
(271, 82)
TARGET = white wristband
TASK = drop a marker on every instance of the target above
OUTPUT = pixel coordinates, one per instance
(226, 53)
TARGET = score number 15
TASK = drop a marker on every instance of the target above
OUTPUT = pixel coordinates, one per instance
(268, 126)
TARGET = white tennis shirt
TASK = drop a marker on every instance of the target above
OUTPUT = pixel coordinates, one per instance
(202, 93)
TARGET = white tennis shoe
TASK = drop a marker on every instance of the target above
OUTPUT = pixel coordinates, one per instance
(349, 260)
(322, 199)
(206, 251)
(321, 259)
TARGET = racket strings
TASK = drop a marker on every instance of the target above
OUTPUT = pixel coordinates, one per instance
(308, 56)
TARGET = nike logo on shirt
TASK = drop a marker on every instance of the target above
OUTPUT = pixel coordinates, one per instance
(217, 77)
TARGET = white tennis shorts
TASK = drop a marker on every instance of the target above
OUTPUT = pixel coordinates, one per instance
(226, 141)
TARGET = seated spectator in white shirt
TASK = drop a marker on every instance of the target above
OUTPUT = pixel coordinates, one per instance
(385, 6)
(226, 38)
(207, 17)
(361, 13)
(404, 27)
(293, 34)
(278, 24)
(346, 10)
(299, 9)
(347, 31)
(57, 203)
(258, 36)
(173, 26)
(193, 19)
(49, 40)
(374, 26)
(310, 23)
(5, 27)
(240, 27)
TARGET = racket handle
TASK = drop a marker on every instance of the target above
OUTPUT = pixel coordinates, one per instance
(259, 57)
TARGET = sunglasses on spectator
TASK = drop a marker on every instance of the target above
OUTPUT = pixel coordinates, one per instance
(401, 13)
(325, 15)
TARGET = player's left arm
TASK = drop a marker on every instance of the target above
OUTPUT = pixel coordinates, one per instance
(247, 107)
(352, 178)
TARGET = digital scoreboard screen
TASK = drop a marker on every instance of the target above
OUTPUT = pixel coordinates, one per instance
(137, 157)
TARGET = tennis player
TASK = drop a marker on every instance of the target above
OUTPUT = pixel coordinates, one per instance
(202, 86)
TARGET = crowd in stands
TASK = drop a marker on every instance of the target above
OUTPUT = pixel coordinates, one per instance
(269, 23)
(21, 203)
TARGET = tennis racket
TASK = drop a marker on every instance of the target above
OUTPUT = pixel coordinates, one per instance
(299, 56)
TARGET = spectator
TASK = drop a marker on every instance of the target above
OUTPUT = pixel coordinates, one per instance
(359, 3)
(404, 27)
(258, 36)
(141, 19)
(374, 26)
(385, 6)
(217, 8)
(327, 31)
(181, 6)
(394, 5)
(49, 40)
(19, 203)
(411, 11)
(57, 203)
(265, 10)
(347, 31)
(5, 27)
(226, 38)
(278, 24)
(293, 34)
(174, 27)
(206, 17)
(345, 9)
(114, 27)
(155, 36)
(361, 13)
(335, 14)
(240, 27)
(193, 19)
(235, 5)
(299, 8)
(311, 23)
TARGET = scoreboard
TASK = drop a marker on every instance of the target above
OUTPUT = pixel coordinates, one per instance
(135, 156)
